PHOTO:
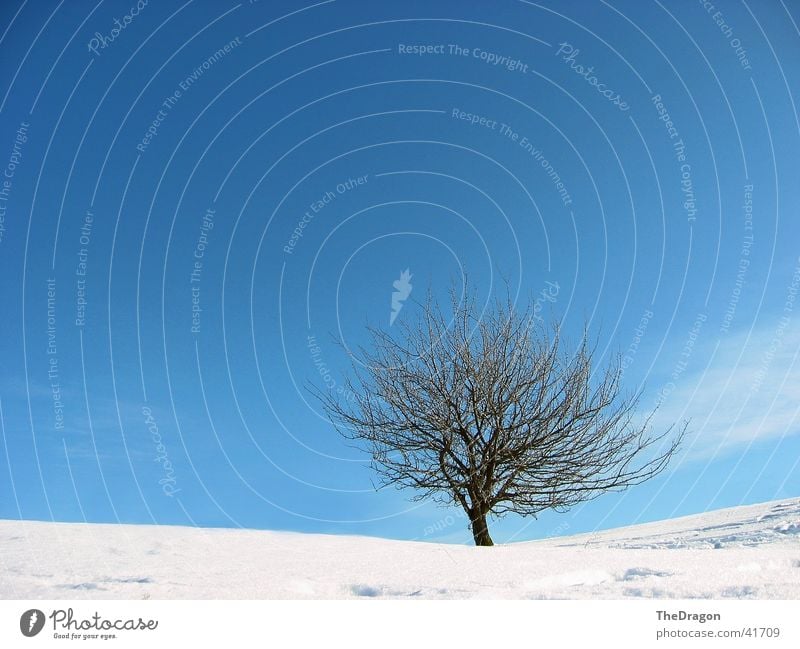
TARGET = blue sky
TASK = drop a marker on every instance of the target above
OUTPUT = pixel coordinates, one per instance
(200, 189)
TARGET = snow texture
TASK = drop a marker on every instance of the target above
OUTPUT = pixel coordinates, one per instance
(742, 552)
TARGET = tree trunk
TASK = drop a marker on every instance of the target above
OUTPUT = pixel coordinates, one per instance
(480, 530)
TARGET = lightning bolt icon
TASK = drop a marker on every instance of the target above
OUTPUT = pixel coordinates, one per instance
(32, 621)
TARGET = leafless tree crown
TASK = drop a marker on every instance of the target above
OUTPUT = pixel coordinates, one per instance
(488, 410)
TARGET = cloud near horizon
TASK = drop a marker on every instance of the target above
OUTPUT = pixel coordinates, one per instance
(742, 389)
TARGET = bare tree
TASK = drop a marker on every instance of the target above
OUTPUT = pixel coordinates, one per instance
(487, 410)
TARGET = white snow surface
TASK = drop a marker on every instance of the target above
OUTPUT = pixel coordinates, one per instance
(743, 552)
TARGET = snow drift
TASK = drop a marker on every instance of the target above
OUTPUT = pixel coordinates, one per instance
(742, 552)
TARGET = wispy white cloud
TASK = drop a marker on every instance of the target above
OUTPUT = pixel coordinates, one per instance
(740, 389)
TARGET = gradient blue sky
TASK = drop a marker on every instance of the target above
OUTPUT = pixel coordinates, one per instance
(661, 246)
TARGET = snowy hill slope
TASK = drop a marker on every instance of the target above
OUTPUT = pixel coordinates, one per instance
(743, 552)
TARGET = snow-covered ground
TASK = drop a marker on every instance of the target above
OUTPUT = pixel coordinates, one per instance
(743, 552)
